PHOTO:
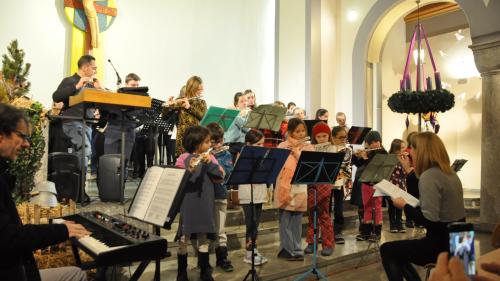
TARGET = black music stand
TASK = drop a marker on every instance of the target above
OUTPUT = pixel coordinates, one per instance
(157, 124)
(379, 168)
(356, 135)
(170, 217)
(310, 125)
(266, 116)
(254, 166)
(458, 164)
(316, 168)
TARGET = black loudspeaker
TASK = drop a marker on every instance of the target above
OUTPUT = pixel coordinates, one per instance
(108, 177)
(64, 171)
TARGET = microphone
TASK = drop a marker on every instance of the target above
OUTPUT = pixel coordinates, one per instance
(118, 78)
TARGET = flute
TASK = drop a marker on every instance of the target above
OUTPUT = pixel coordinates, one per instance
(198, 158)
(182, 99)
(302, 141)
(220, 149)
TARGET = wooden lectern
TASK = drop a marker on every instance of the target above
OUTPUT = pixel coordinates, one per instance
(90, 97)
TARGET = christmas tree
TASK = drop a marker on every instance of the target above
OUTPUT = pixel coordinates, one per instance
(13, 82)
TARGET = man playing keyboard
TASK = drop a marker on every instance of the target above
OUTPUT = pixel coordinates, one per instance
(18, 241)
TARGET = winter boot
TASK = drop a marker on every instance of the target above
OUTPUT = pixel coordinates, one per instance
(222, 261)
(205, 272)
(182, 267)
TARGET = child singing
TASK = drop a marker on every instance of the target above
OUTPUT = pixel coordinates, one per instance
(322, 139)
(196, 214)
(253, 138)
(292, 199)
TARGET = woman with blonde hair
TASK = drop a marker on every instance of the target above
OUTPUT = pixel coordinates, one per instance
(189, 107)
(441, 202)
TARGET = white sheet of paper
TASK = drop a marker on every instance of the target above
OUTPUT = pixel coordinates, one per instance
(146, 192)
(386, 188)
(164, 195)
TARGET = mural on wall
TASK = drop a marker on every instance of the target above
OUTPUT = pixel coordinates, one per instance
(89, 19)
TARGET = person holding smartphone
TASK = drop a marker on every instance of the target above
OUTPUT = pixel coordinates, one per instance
(441, 202)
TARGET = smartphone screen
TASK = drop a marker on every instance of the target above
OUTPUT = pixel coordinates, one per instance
(462, 245)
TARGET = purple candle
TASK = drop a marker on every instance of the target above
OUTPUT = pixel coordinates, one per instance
(408, 83)
(437, 77)
(402, 85)
(429, 83)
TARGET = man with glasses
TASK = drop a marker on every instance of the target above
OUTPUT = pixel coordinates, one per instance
(18, 241)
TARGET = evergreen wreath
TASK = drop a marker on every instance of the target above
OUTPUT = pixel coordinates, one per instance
(421, 102)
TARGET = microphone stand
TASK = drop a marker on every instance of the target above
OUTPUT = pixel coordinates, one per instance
(118, 78)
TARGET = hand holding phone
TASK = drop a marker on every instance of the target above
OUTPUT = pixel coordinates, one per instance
(462, 245)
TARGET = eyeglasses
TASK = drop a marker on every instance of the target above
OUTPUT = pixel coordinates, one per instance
(22, 135)
(341, 137)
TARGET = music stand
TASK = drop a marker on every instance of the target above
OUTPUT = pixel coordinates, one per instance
(310, 125)
(316, 168)
(254, 166)
(379, 168)
(266, 116)
(158, 124)
(356, 135)
(222, 116)
(458, 164)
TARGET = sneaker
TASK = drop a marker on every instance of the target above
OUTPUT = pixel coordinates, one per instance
(339, 239)
(393, 229)
(327, 252)
(309, 249)
(297, 258)
(409, 224)
(259, 259)
(401, 228)
(284, 254)
(362, 237)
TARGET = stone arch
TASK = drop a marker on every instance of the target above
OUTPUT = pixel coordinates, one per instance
(484, 24)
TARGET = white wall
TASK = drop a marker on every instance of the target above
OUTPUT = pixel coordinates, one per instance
(229, 43)
(292, 52)
(461, 126)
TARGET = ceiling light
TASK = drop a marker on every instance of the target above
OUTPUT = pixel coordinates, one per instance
(352, 15)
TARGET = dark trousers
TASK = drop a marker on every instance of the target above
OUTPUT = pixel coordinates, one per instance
(397, 256)
(247, 210)
(338, 209)
(143, 152)
(395, 214)
(171, 152)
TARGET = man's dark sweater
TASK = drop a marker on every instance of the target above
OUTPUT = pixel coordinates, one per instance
(18, 241)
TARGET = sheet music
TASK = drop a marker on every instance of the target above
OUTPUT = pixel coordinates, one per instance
(145, 193)
(387, 188)
(164, 195)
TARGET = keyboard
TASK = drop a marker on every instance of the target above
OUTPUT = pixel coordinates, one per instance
(114, 241)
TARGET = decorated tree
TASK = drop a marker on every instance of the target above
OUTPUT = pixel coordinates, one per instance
(13, 88)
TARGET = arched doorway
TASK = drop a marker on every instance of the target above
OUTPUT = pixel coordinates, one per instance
(485, 32)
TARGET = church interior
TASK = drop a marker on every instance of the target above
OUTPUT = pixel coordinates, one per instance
(119, 169)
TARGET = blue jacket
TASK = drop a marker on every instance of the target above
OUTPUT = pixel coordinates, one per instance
(226, 162)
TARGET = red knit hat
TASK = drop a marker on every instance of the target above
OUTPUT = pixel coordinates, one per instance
(321, 127)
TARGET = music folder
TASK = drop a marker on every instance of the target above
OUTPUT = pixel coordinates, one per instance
(458, 164)
(158, 198)
(379, 168)
(317, 167)
(257, 165)
(356, 135)
(266, 116)
(222, 116)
